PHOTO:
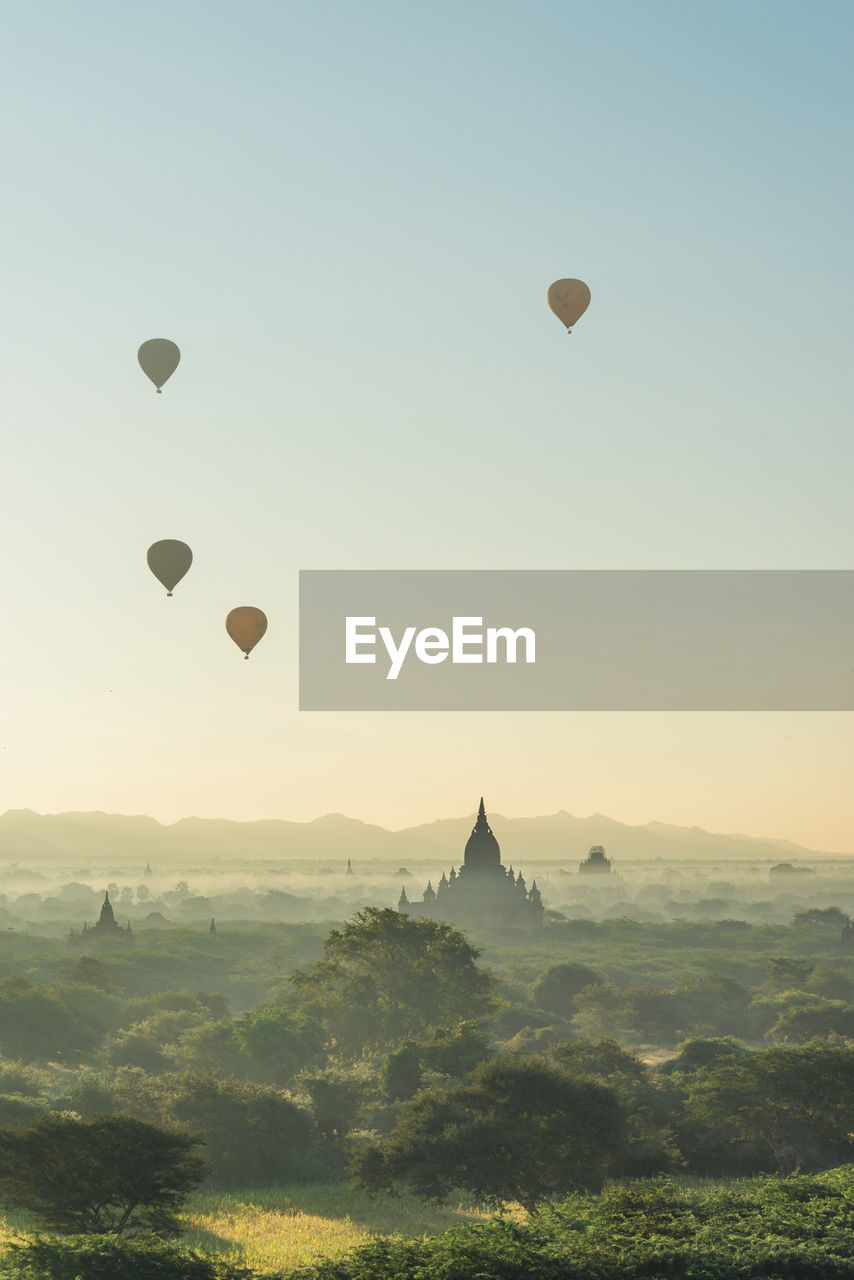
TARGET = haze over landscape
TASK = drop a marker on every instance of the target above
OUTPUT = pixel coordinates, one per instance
(277, 999)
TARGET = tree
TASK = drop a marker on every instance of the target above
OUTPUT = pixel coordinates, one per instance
(211, 1047)
(335, 1103)
(35, 1025)
(813, 1020)
(701, 1053)
(455, 1051)
(823, 917)
(278, 1042)
(253, 1134)
(400, 1074)
(700, 1005)
(519, 1130)
(87, 971)
(386, 977)
(649, 1146)
(109, 1174)
(832, 981)
(796, 1102)
(785, 972)
(557, 988)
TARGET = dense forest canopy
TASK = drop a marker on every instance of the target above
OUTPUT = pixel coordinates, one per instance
(398, 1054)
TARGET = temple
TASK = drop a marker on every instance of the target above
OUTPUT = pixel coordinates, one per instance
(595, 862)
(106, 925)
(483, 891)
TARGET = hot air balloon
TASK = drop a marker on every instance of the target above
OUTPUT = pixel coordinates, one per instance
(158, 358)
(568, 299)
(169, 560)
(246, 625)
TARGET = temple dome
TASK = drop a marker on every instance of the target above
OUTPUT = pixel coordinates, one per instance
(482, 851)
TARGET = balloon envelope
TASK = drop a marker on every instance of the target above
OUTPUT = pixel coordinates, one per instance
(246, 625)
(169, 560)
(568, 299)
(158, 358)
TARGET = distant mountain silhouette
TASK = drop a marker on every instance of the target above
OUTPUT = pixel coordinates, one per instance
(33, 838)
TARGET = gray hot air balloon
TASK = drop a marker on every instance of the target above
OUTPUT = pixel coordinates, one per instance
(169, 560)
(568, 299)
(158, 358)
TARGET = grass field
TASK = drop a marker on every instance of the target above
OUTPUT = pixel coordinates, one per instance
(281, 1227)
(12, 1225)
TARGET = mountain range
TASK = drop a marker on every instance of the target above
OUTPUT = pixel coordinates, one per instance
(33, 839)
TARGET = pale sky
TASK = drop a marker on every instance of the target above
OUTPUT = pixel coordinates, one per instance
(347, 217)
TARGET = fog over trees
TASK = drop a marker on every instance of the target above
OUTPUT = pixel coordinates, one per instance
(669, 1019)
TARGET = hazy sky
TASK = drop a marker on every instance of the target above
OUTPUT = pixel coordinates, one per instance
(347, 216)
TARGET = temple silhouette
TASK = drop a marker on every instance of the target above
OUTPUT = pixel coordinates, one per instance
(595, 863)
(482, 891)
(107, 925)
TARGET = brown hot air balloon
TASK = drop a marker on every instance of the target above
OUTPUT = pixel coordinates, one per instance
(568, 299)
(169, 560)
(158, 358)
(246, 625)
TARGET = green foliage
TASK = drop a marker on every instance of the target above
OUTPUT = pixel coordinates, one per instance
(557, 988)
(335, 1102)
(252, 1133)
(102, 1175)
(602, 1059)
(699, 1054)
(92, 1093)
(785, 972)
(516, 1018)
(178, 1001)
(387, 977)
(401, 1073)
(798, 1229)
(456, 1051)
(108, 1258)
(20, 1077)
(710, 1004)
(799, 1025)
(821, 918)
(518, 1130)
(87, 971)
(277, 1043)
(796, 1102)
(35, 1025)
(834, 981)
(649, 1145)
(212, 1047)
(63, 1022)
(18, 1108)
(151, 1043)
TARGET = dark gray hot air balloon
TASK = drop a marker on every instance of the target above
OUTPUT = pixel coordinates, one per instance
(158, 358)
(169, 560)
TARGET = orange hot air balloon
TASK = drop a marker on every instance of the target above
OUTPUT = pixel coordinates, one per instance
(568, 299)
(246, 625)
(158, 358)
(169, 560)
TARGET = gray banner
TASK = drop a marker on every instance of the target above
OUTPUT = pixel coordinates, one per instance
(576, 640)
